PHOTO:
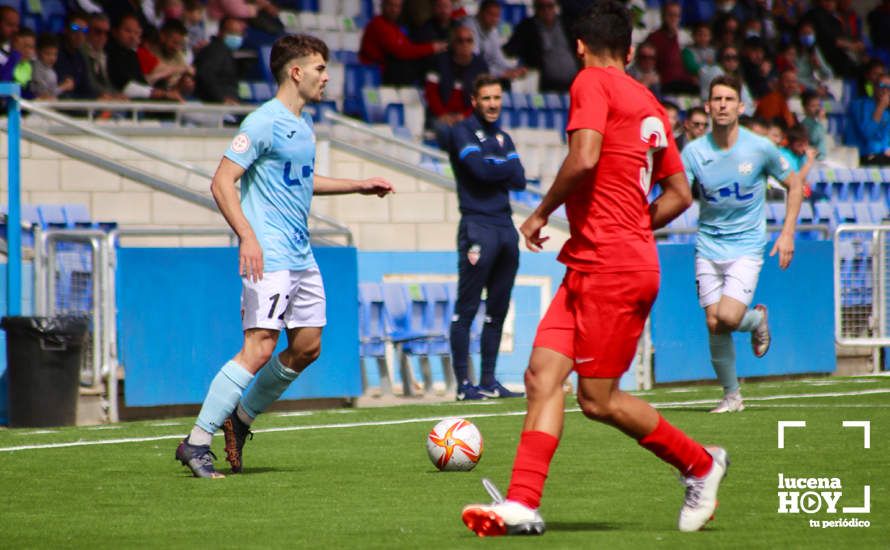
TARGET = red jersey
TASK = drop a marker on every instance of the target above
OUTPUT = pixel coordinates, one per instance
(609, 222)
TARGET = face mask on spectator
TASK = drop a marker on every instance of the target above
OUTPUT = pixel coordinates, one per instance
(808, 40)
(233, 41)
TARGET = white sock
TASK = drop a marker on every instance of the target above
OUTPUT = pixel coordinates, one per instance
(200, 437)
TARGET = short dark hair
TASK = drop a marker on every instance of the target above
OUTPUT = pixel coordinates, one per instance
(25, 32)
(293, 46)
(74, 16)
(485, 4)
(670, 105)
(797, 133)
(174, 26)
(47, 40)
(807, 96)
(605, 28)
(726, 80)
(485, 79)
(696, 111)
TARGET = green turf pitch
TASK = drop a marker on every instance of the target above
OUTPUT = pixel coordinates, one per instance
(360, 478)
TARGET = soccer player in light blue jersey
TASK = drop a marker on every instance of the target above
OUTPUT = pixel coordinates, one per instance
(274, 157)
(730, 166)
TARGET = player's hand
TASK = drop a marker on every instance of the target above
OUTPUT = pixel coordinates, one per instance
(531, 231)
(376, 186)
(785, 247)
(250, 259)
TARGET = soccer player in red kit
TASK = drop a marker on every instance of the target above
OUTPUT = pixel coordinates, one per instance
(619, 143)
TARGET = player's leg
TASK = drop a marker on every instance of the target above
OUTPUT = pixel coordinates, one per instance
(499, 286)
(476, 254)
(720, 316)
(741, 281)
(304, 315)
(261, 328)
(549, 365)
(702, 469)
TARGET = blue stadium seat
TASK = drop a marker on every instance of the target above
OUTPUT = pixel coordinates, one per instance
(372, 334)
(844, 212)
(406, 309)
(863, 213)
(357, 77)
(51, 215)
(513, 14)
(440, 310)
(77, 215)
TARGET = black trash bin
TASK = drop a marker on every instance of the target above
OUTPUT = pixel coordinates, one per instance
(43, 359)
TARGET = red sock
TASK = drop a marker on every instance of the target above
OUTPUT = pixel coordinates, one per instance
(678, 449)
(530, 467)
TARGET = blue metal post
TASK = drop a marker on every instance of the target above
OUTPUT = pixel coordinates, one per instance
(14, 217)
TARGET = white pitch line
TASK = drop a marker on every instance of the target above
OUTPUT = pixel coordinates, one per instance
(418, 420)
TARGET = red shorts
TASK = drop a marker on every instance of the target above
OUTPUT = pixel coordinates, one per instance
(597, 318)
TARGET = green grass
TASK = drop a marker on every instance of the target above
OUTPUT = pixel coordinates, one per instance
(373, 486)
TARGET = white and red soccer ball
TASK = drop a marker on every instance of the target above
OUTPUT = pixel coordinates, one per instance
(454, 444)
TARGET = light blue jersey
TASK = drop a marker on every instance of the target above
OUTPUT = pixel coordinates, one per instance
(732, 222)
(277, 151)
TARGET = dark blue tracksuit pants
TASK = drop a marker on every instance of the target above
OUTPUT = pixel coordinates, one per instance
(488, 257)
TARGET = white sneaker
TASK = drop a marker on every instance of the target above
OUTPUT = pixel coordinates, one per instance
(760, 336)
(501, 517)
(731, 402)
(701, 493)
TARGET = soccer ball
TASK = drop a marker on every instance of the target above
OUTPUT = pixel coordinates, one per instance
(454, 444)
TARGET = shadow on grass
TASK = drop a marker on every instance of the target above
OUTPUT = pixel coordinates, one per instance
(584, 526)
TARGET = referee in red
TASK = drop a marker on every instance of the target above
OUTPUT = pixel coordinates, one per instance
(486, 168)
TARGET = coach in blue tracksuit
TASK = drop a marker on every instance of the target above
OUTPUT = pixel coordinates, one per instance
(486, 168)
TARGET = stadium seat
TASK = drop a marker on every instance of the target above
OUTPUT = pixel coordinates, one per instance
(77, 215)
(51, 215)
(405, 312)
(372, 334)
(440, 310)
(844, 212)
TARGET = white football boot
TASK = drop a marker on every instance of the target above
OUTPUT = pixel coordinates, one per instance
(731, 402)
(501, 517)
(701, 493)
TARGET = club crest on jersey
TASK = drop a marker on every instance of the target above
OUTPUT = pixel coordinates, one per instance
(746, 168)
(474, 253)
(480, 135)
(241, 143)
(500, 138)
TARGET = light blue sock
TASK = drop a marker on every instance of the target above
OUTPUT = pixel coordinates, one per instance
(723, 359)
(223, 396)
(750, 321)
(270, 383)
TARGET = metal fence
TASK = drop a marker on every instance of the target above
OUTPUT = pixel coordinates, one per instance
(860, 285)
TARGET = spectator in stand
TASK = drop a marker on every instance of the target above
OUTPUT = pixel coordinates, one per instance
(165, 10)
(726, 32)
(193, 17)
(438, 27)
(9, 26)
(116, 10)
(385, 44)
(668, 60)
(216, 72)
(700, 53)
(755, 124)
(24, 48)
(643, 69)
(869, 125)
(812, 69)
(124, 70)
(259, 14)
(449, 87)
(786, 14)
(540, 42)
(71, 63)
(44, 80)
(800, 155)
(741, 11)
(169, 51)
(757, 69)
(672, 110)
(870, 77)
(488, 41)
(727, 63)
(694, 127)
(774, 105)
(97, 60)
(841, 51)
(775, 132)
(879, 28)
(815, 122)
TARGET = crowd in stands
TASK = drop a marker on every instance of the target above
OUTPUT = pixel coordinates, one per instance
(788, 54)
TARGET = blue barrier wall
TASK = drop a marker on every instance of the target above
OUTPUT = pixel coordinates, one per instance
(179, 322)
(800, 301)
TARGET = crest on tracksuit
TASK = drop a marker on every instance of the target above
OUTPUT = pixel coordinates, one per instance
(474, 253)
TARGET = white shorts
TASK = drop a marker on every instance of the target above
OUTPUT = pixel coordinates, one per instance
(734, 278)
(283, 299)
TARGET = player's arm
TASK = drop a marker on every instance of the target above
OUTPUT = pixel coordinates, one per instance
(676, 197)
(323, 185)
(483, 170)
(794, 197)
(250, 254)
(584, 154)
